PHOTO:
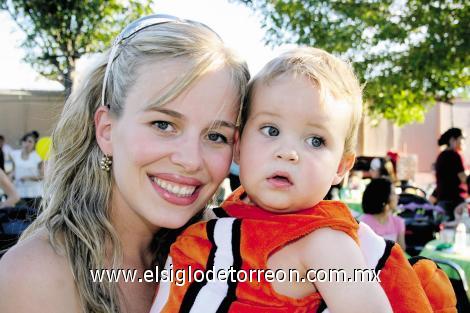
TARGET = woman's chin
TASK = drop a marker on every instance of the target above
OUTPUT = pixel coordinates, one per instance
(175, 222)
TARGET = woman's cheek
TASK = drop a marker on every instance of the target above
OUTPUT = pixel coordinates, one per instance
(218, 163)
(145, 148)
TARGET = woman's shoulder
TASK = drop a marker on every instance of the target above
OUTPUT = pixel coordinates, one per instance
(35, 156)
(448, 154)
(15, 153)
(398, 221)
(33, 270)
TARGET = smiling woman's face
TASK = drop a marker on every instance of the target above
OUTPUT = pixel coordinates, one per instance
(169, 160)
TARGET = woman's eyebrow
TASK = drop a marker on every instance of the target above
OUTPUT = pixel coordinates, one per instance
(175, 114)
(168, 112)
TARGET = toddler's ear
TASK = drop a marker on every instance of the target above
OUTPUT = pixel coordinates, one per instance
(345, 165)
(236, 146)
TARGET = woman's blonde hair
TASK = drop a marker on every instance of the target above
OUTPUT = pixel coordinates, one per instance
(328, 73)
(76, 202)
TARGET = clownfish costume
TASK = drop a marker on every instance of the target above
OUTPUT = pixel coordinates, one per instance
(243, 237)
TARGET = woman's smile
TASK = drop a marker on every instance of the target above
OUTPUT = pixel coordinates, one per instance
(176, 189)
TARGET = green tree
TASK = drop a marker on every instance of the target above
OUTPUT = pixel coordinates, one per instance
(410, 53)
(58, 33)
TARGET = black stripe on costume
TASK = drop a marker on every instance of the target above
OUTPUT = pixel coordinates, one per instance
(219, 212)
(195, 287)
(388, 250)
(237, 264)
(322, 306)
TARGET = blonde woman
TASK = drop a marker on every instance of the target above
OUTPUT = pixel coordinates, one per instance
(140, 148)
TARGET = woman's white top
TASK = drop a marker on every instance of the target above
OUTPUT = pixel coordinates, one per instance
(28, 167)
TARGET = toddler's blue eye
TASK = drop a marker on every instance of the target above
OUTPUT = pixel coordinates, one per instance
(316, 141)
(270, 131)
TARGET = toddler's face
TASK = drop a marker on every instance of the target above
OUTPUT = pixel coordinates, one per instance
(291, 150)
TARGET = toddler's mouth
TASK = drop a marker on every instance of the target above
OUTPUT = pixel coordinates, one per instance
(280, 179)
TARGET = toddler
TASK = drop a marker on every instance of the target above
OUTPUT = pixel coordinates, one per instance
(296, 139)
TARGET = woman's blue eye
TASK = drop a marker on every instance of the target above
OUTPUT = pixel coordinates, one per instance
(270, 131)
(316, 141)
(163, 126)
(216, 137)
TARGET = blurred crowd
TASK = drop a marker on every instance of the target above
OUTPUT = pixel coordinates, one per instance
(21, 173)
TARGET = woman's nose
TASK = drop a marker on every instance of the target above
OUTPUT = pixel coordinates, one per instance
(188, 154)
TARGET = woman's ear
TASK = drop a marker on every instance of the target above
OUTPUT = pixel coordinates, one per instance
(103, 125)
(345, 165)
(386, 207)
(236, 146)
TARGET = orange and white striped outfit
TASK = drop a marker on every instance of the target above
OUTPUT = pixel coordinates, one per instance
(244, 236)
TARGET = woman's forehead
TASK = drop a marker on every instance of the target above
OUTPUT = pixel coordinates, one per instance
(152, 81)
(214, 92)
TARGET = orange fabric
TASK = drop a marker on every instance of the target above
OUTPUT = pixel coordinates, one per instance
(262, 232)
(402, 285)
(437, 286)
(333, 214)
(192, 249)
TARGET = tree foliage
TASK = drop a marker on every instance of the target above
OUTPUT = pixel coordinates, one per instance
(410, 53)
(59, 32)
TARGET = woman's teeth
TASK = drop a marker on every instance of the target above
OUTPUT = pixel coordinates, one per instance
(178, 190)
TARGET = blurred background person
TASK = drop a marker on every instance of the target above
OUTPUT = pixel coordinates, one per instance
(462, 211)
(11, 196)
(5, 151)
(2, 160)
(451, 189)
(28, 172)
(378, 202)
(382, 167)
(35, 134)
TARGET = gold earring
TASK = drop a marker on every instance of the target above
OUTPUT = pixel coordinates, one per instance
(106, 162)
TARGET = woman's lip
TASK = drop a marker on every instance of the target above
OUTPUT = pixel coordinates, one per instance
(178, 179)
(174, 199)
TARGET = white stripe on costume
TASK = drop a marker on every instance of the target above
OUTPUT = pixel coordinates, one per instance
(163, 290)
(213, 293)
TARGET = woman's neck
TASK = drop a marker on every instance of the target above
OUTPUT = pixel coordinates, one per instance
(134, 234)
(25, 153)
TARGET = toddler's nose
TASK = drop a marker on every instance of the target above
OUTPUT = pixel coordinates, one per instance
(288, 155)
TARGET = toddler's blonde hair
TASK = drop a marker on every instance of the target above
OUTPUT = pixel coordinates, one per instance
(331, 75)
